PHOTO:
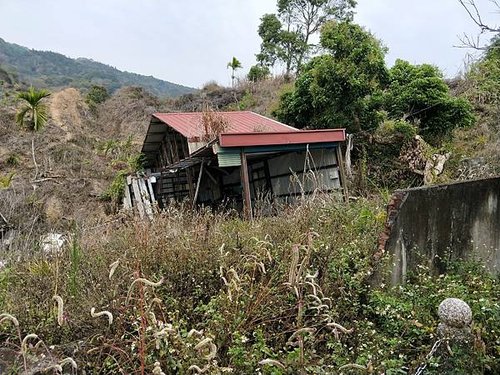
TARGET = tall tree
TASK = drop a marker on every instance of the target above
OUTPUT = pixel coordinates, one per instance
(286, 37)
(307, 17)
(342, 88)
(234, 64)
(279, 44)
(34, 112)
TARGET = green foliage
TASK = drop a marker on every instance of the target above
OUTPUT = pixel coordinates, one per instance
(279, 44)
(418, 94)
(247, 101)
(125, 160)
(412, 309)
(97, 95)
(6, 180)
(483, 78)
(286, 36)
(115, 191)
(34, 109)
(258, 73)
(230, 280)
(342, 88)
(13, 160)
(234, 65)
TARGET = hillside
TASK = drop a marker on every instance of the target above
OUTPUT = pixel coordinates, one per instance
(53, 70)
(202, 291)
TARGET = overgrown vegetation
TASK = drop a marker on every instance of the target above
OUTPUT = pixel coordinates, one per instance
(207, 291)
(125, 160)
(33, 114)
(203, 291)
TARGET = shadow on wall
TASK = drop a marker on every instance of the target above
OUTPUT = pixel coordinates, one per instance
(435, 225)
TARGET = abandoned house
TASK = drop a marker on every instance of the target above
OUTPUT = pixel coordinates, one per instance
(234, 158)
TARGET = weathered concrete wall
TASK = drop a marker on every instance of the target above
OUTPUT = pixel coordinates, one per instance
(433, 225)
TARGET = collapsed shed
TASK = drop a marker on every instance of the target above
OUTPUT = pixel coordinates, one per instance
(237, 159)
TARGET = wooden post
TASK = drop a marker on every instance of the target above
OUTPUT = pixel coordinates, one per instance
(343, 179)
(247, 201)
(151, 190)
(189, 179)
(198, 184)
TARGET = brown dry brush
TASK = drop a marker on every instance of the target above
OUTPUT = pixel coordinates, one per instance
(213, 123)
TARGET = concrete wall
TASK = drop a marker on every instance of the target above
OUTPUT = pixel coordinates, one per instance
(433, 225)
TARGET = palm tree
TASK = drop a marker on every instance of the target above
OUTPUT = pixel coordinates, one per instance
(234, 64)
(34, 109)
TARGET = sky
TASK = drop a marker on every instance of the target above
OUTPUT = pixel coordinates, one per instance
(190, 42)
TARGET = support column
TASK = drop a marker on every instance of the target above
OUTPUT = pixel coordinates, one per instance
(247, 201)
(198, 184)
(343, 178)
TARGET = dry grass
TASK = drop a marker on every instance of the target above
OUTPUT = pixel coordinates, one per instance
(213, 124)
(206, 271)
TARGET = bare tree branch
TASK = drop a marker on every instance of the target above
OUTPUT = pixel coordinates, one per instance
(472, 10)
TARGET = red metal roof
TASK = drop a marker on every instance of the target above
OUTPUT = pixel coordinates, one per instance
(190, 124)
(281, 138)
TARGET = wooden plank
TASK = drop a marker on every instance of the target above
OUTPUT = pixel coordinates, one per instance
(138, 198)
(151, 190)
(343, 179)
(198, 184)
(190, 185)
(146, 198)
(127, 201)
(247, 201)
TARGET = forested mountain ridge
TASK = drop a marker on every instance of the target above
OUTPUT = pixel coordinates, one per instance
(54, 70)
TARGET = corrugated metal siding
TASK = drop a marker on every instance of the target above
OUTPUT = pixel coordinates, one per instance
(229, 160)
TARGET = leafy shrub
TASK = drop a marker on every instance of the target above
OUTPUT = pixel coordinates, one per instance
(258, 73)
(97, 95)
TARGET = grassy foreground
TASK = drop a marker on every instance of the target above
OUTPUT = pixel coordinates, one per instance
(203, 292)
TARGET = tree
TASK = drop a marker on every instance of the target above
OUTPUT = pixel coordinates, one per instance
(308, 16)
(279, 44)
(286, 37)
(34, 109)
(418, 94)
(258, 73)
(234, 64)
(482, 79)
(342, 88)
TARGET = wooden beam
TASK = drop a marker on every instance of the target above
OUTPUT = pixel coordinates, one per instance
(127, 201)
(198, 185)
(343, 179)
(189, 179)
(247, 201)
(146, 199)
(137, 197)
